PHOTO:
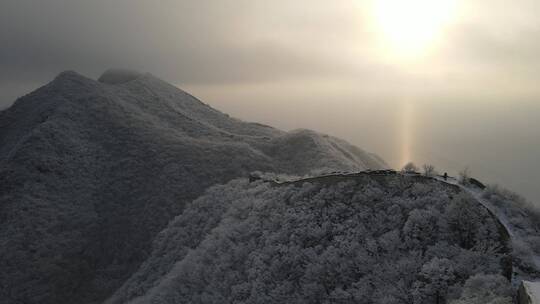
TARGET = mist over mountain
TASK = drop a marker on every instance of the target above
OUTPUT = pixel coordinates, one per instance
(91, 171)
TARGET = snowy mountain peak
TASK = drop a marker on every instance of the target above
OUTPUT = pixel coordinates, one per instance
(119, 76)
(99, 168)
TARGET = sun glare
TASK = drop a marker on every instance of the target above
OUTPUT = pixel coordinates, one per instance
(410, 28)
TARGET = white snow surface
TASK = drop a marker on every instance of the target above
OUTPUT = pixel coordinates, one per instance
(533, 291)
(91, 171)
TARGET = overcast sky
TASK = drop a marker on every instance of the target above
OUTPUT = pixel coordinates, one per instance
(467, 97)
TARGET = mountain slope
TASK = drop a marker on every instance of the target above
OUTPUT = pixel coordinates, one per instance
(356, 239)
(91, 171)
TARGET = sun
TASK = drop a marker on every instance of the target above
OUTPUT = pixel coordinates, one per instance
(411, 27)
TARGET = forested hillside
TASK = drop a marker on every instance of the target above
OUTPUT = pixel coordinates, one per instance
(91, 171)
(363, 239)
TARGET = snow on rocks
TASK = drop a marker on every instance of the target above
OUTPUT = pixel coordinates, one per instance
(529, 293)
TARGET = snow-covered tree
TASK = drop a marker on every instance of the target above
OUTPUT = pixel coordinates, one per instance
(434, 280)
(486, 289)
(420, 229)
(429, 170)
(410, 167)
(464, 176)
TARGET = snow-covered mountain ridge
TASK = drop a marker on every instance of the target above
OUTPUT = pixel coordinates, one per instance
(91, 171)
(358, 238)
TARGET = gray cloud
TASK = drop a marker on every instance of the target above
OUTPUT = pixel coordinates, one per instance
(184, 41)
(303, 60)
(217, 42)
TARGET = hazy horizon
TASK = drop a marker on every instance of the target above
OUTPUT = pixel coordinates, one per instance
(456, 88)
